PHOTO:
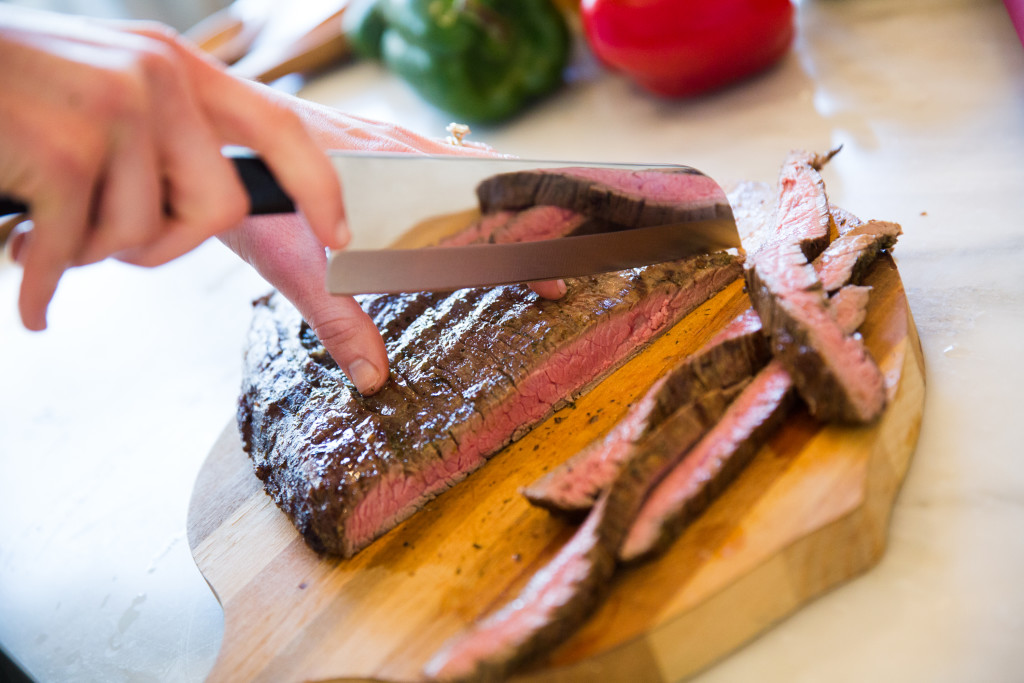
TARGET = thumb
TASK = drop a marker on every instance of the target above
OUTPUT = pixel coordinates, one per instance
(287, 254)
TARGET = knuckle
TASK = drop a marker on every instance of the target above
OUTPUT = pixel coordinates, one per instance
(340, 331)
(227, 209)
(70, 164)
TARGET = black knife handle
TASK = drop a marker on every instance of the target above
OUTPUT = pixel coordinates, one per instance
(9, 205)
(265, 195)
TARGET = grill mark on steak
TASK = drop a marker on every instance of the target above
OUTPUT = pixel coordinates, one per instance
(832, 370)
(341, 464)
(632, 199)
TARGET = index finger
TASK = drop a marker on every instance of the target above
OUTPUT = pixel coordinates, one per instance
(242, 114)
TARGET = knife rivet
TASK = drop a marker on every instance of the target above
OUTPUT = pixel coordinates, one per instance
(457, 132)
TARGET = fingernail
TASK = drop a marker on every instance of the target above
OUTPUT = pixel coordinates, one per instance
(364, 375)
(562, 289)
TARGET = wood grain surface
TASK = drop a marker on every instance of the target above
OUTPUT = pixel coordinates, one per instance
(810, 512)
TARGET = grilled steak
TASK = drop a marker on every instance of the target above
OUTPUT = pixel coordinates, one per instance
(850, 254)
(471, 371)
(551, 606)
(633, 199)
(831, 369)
(563, 594)
(650, 498)
(748, 423)
(733, 355)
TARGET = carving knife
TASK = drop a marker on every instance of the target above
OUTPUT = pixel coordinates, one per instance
(391, 196)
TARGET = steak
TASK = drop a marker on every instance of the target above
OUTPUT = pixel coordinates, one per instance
(849, 255)
(652, 495)
(831, 369)
(738, 351)
(629, 198)
(565, 592)
(755, 415)
(471, 371)
(551, 606)
(733, 355)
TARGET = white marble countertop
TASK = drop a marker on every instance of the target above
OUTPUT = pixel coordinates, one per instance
(106, 418)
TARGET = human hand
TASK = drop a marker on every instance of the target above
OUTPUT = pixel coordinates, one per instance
(112, 134)
(292, 259)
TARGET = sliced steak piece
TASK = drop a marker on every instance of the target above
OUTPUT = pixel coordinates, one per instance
(802, 215)
(852, 252)
(472, 371)
(632, 199)
(843, 220)
(550, 607)
(740, 347)
(748, 423)
(705, 472)
(563, 594)
(733, 355)
(831, 369)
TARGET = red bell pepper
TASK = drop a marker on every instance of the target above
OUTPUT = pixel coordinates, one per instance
(680, 48)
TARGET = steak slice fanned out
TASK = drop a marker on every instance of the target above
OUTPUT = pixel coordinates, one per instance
(563, 594)
(733, 355)
(831, 369)
(673, 470)
(741, 347)
(752, 418)
(471, 371)
(633, 199)
(547, 610)
(851, 253)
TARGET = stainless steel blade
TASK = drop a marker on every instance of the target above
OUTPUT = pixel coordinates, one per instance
(388, 195)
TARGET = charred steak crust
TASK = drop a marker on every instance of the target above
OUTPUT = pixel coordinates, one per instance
(471, 371)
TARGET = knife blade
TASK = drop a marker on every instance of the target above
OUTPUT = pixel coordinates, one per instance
(389, 195)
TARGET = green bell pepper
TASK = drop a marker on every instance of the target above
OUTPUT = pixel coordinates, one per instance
(480, 60)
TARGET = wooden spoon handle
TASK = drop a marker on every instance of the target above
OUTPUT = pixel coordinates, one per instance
(322, 45)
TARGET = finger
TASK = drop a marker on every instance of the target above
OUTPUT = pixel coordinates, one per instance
(60, 224)
(549, 289)
(242, 114)
(290, 257)
(250, 114)
(202, 191)
(129, 205)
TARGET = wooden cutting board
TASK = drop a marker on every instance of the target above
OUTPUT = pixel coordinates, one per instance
(810, 512)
